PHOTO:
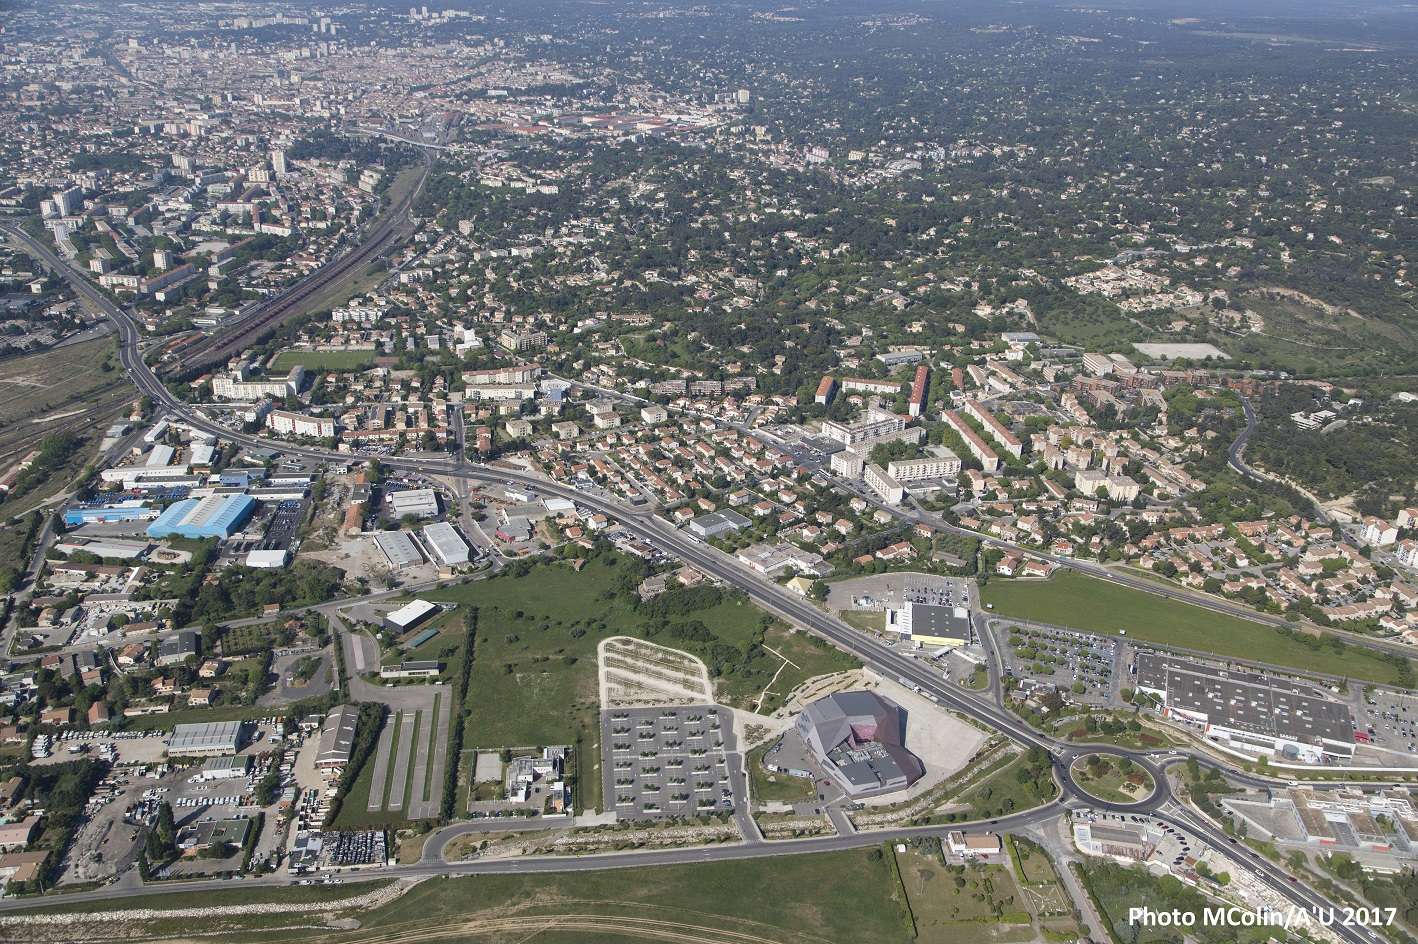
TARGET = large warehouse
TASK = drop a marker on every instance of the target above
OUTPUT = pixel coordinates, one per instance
(859, 737)
(446, 544)
(216, 516)
(205, 739)
(1252, 712)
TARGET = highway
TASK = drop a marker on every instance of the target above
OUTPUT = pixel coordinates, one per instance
(797, 610)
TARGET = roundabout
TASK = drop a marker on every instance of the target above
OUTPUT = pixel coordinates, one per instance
(1112, 779)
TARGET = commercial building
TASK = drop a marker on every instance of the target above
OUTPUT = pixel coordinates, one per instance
(716, 523)
(1250, 712)
(272, 559)
(930, 624)
(336, 740)
(216, 516)
(1130, 843)
(1343, 820)
(418, 502)
(446, 544)
(206, 739)
(859, 738)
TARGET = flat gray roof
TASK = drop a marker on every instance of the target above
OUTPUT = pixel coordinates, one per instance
(223, 736)
(1247, 701)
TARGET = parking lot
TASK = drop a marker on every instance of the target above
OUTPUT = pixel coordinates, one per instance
(1390, 719)
(1061, 658)
(284, 525)
(892, 591)
(667, 762)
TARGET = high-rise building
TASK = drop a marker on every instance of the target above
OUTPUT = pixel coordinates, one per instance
(68, 202)
(278, 162)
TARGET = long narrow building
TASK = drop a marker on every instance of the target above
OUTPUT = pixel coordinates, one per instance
(989, 460)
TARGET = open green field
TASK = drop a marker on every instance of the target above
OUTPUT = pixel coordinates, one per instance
(963, 904)
(534, 672)
(717, 903)
(321, 360)
(1093, 605)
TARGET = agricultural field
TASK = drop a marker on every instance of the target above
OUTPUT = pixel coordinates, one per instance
(1097, 606)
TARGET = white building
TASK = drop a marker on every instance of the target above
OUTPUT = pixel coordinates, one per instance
(890, 490)
(296, 424)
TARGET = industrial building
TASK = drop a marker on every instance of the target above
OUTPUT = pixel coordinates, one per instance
(336, 740)
(411, 614)
(225, 768)
(859, 738)
(216, 516)
(134, 509)
(1253, 713)
(416, 502)
(205, 739)
(398, 548)
(446, 544)
(412, 669)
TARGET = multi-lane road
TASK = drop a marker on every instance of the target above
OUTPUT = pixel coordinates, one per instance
(922, 676)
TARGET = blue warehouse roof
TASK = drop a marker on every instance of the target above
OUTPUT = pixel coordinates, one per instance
(216, 516)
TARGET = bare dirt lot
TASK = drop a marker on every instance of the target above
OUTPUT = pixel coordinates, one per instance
(636, 673)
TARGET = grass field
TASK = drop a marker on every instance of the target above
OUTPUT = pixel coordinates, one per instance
(534, 674)
(321, 360)
(963, 905)
(1093, 605)
(869, 620)
(757, 901)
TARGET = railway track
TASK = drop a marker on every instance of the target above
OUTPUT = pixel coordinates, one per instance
(269, 315)
(14, 447)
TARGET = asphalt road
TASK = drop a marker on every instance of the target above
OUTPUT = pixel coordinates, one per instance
(777, 600)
